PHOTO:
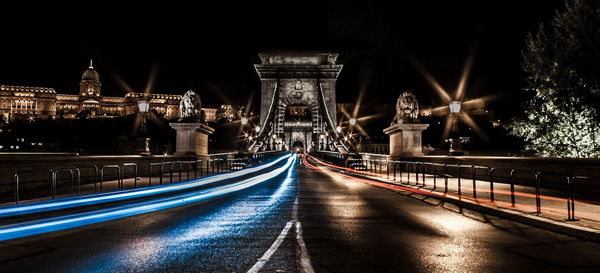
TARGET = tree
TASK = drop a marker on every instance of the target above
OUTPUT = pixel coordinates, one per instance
(563, 67)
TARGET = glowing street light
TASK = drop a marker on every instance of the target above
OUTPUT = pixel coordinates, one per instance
(143, 105)
(143, 141)
(338, 129)
(244, 121)
(257, 129)
(454, 140)
(455, 107)
(352, 121)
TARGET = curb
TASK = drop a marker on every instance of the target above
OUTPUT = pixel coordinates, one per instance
(579, 232)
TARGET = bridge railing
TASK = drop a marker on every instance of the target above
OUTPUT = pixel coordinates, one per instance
(475, 181)
(42, 184)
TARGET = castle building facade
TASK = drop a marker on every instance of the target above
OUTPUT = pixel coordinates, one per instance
(24, 102)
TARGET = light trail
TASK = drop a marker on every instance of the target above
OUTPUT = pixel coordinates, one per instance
(496, 203)
(95, 199)
(37, 227)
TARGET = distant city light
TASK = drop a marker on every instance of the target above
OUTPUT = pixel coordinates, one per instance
(257, 129)
(244, 120)
(352, 121)
(338, 129)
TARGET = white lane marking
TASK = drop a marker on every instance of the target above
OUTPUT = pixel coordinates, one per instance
(265, 257)
(304, 258)
(295, 210)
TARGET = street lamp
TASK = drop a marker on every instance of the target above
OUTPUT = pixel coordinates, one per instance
(244, 120)
(454, 140)
(143, 141)
(352, 121)
(338, 129)
(455, 107)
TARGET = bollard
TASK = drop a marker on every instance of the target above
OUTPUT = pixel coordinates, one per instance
(570, 204)
(401, 166)
(491, 173)
(474, 176)
(445, 178)
(408, 173)
(434, 175)
(150, 172)
(571, 197)
(72, 171)
(538, 202)
(96, 172)
(135, 174)
(416, 169)
(119, 175)
(458, 175)
(424, 168)
(387, 168)
(512, 187)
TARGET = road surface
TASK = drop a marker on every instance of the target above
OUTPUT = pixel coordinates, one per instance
(301, 221)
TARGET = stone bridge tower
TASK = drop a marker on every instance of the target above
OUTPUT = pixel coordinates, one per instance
(298, 104)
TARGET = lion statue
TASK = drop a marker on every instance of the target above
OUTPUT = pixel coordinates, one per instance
(407, 109)
(190, 107)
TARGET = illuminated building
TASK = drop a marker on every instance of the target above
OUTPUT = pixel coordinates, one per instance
(24, 102)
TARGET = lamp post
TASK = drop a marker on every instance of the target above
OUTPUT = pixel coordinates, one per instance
(143, 141)
(454, 140)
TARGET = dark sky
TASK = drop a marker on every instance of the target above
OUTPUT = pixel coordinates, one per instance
(210, 46)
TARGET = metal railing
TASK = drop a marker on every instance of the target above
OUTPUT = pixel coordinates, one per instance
(401, 171)
(97, 176)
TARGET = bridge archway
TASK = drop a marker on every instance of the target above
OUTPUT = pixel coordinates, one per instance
(292, 81)
(298, 147)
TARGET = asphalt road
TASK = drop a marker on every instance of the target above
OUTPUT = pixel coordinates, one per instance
(347, 226)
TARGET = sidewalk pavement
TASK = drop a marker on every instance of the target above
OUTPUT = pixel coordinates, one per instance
(553, 214)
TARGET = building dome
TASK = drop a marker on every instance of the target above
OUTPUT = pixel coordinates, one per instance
(90, 74)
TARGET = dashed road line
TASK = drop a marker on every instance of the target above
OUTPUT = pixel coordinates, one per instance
(303, 257)
(265, 257)
(302, 253)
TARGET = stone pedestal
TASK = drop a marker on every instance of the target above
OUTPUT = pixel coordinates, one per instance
(405, 139)
(192, 138)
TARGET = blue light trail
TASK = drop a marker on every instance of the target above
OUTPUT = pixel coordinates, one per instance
(36, 227)
(95, 199)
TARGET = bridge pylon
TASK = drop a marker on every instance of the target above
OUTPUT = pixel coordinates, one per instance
(298, 104)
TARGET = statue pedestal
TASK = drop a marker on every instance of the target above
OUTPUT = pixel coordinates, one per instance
(405, 139)
(192, 138)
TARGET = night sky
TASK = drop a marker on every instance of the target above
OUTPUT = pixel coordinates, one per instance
(210, 46)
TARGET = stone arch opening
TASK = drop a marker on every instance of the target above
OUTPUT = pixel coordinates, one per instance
(298, 146)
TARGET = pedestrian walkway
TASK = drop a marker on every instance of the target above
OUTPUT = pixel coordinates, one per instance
(549, 204)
